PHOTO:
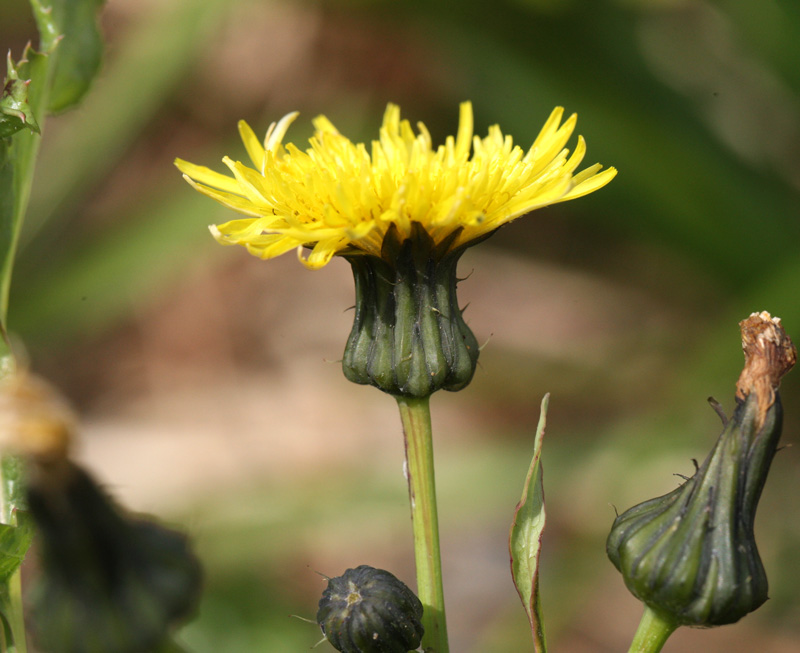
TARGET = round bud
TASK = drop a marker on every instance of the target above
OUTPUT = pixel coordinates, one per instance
(368, 610)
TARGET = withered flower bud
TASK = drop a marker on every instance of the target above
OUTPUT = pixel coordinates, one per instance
(691, 554)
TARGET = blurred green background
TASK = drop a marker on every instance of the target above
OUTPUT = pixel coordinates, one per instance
(207, 380)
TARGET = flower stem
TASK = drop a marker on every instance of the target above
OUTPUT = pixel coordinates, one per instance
(416, 417)
(653, 632)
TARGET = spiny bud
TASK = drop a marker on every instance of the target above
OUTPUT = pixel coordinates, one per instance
(691, 554)
(368, 610)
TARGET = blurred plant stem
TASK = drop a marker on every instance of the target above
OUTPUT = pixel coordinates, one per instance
(416, 417)
(12, 636)
(653, 632)
(17, 164)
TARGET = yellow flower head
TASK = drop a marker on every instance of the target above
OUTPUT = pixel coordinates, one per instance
(338, 197)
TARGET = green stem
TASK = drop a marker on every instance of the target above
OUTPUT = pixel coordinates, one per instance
(416, 417)
(653, 632)
(11, 587)
(11, 601)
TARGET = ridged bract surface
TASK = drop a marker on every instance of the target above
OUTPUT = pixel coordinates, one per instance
(692, 553)
(368, 610)
(408, 336)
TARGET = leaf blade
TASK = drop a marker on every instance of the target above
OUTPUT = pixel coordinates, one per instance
(69, 30)
(525, 537)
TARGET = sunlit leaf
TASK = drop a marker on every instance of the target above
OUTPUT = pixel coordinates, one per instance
(525, 539)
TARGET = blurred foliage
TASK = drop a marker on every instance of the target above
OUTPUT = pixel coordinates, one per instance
(697, 103)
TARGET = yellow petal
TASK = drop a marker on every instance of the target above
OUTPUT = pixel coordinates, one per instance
(207, 176)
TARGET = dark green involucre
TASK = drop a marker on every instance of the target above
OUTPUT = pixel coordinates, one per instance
(368, 610)
(691, 554)
(409, 337)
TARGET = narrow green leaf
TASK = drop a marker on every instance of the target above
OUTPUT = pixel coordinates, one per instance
(525, 538)
(69, 29)
(17, 157)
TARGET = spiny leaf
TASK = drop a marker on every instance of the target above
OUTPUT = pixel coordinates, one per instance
(15, 111)
(69, 30)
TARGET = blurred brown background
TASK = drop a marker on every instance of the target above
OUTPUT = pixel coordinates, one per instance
(207, 380)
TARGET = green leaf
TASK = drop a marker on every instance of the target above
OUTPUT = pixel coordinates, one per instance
(69, 30)
(525, 539)
(15, 111)
(14, 544)
(17, 157)
(12, 472)
(53, 79)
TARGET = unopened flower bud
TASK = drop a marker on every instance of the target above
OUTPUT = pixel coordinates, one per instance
(368, 610)
(409, 337)
(110, 583)
(691, 554)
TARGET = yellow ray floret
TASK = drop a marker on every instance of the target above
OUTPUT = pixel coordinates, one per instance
(338, 197)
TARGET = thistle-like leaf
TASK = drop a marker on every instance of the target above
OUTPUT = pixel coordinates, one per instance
(15, 110)
(69, 31)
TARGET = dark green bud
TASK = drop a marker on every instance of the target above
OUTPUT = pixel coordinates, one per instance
(110, 583)
(368, 610)
(691, 554)
(409, 337)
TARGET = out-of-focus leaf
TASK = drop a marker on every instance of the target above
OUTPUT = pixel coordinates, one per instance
(61, 303)
(14, 544)
(525, 539)
(69, 29)
(151, 60)
(16, 534)
(697, 196)
(13, 488)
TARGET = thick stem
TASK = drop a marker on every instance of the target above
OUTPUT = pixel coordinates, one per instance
(653, 632)
(416, 417)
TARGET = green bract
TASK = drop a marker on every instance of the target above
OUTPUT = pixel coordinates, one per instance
(692, 553)
(409, 337)
(368, 610)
